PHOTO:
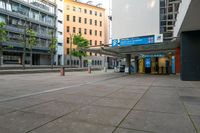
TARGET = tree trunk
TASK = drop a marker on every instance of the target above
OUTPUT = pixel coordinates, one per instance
(81, 65)
(1, 54)
(52, 61)
(31, 57)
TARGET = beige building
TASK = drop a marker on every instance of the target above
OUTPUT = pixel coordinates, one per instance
(89, 20)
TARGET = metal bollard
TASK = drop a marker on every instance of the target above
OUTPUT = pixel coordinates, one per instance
(89, 69)
(62, 71)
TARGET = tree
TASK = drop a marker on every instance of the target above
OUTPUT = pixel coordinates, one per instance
(52, 47)
(82, 45)
(3, 38)
(31, 42)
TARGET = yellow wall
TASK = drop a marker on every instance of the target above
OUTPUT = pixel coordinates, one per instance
(70, 4)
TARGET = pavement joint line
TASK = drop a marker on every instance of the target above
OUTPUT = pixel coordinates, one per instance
(137, 130)
(192, 122)
(57, 89)
(158, 112)
(133, 107)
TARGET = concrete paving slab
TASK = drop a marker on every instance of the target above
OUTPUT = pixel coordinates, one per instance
(4, 111)
(72, 126)
(158, 122)
(116, 102)
(53, 108)
(98, 115)
(163, 91)
(161, 106)
(21, 103)
(125, 95)
(21, 122)
(122, 130)
(77, 99)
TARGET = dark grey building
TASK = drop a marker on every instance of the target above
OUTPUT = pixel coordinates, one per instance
(38, 15)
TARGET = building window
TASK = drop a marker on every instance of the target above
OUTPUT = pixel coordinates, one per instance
(90, 12)
(74, 9)
(95, 42)
(68, 7)
(90, 54)
(79, 19)
(90, 32)
(60, 44)
(67, 40)
(79, 9)
(85, 11)
(74, 29)
(100, 23)
(60, 33)
(95, 33)
(67, 17)
(85, 20)
(95, 22)
(100, 33)
(100, 14)
(59, 21)
(100, 43)
(85, 31)
(95, 13)
(79, 30)
(67, 53)
(74, 18)
(60, 10)
(68, 29)
(90, 21)
(90, 42)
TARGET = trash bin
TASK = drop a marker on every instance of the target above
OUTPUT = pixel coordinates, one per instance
(62, 71)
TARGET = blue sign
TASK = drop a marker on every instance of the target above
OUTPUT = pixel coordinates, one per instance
(134, 41)
(147, 62)
(173, 65)
(115, 43)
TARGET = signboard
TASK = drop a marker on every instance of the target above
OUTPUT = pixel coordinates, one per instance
(136, 41)
(158, 38)
(147, 62)
(144, 40)
(154, 55)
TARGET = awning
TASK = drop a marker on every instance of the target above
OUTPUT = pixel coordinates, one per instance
(164, 48)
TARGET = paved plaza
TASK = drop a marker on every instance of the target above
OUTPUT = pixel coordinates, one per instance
(98, 103)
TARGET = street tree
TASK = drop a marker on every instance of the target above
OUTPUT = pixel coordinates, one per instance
(3, 38)
(52, 47)
(82, 44)
(31, 38)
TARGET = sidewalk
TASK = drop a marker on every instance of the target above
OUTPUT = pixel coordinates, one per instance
(98, 103)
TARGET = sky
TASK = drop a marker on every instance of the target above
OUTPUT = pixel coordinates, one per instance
(104, 2)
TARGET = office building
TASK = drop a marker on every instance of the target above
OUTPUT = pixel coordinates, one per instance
(39, 15)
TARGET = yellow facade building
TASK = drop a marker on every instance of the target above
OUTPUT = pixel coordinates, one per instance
(88, 20)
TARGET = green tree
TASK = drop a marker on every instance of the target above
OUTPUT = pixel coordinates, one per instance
(82, 44)
(52, 47)
(31, 38)
(3, 38)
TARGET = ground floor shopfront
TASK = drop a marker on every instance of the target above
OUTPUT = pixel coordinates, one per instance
(15, 58)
